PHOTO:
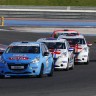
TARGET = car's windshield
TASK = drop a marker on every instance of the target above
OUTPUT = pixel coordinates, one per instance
(76, 41)
(55, 45)
(58, 34)
(23, 49)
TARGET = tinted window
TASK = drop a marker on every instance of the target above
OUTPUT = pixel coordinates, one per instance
(23, 49)
(43, 49)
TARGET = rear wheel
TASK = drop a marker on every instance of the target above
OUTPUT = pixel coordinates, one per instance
(41, 72)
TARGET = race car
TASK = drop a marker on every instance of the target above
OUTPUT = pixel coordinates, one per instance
(57, 33)
(26, 59)
(81, 47)
(62, 53)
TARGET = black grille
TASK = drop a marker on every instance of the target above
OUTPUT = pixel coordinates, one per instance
(13, 64)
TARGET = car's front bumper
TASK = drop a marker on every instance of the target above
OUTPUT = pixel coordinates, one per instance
(81, 58)
(60, 63)
(31, 69)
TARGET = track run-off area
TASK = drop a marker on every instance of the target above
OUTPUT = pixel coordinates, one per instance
(78, 82)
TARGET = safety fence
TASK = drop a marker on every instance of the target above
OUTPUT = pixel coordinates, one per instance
(46, 12)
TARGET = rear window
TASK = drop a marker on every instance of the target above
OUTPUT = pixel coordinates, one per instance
(23, 49)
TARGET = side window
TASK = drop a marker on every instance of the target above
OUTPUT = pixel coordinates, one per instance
(64, 46)
(43, 49)
(84, 41)
(46, 49)
(67, 45)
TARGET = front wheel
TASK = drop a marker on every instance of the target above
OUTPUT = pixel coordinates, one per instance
(72, 66)
(51, 72)
(67, 68)
(87, 61)
(41, 72)
(2, 76)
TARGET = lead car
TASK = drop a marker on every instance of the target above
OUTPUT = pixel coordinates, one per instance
(26, 59)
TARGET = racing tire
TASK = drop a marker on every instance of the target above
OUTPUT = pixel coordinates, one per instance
(41, 72)
(51, 72)
(72, 67)
(67, 68)
(2, 76)
(87, 61)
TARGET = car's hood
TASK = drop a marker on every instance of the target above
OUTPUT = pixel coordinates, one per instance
(58, 52)
(19, 58)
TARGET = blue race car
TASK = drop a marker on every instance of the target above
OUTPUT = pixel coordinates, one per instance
(25, 59)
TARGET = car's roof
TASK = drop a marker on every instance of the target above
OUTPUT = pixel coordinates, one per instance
(50, 40)
(65, 31)
(25, 43)
(75, 36)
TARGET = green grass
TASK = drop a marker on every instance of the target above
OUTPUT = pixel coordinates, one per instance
(49, 2)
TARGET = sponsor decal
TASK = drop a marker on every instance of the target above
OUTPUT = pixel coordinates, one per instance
(18, 58)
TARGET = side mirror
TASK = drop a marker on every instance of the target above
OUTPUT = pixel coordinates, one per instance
(89, 44)
(71, 49)
(46, 53)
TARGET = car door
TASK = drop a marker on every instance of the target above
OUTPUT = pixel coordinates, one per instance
(45, 59)
(49, 59)
(70, 54)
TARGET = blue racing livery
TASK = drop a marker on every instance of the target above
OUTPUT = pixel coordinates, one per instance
(25, 59)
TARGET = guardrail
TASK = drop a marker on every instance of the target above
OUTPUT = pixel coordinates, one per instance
(48, 12)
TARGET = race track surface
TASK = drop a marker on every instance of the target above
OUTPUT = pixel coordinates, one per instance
(78, 82)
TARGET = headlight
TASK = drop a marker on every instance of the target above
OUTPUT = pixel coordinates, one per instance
(2, 60)
(36, 60)
(63, 55)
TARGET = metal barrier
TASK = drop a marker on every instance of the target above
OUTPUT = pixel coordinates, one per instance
(48, 12)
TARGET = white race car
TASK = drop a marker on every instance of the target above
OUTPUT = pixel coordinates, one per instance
(81, 47)
(62, 53)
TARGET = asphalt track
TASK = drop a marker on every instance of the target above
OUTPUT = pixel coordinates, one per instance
(78, 82)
